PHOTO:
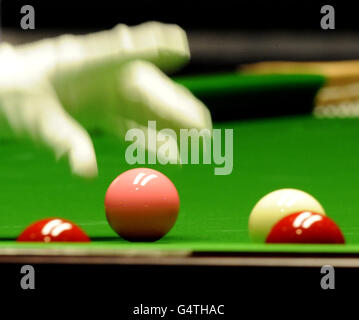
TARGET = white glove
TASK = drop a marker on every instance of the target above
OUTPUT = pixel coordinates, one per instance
(109, 80)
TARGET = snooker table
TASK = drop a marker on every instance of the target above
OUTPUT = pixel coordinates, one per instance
(315, 155)
(211, 233)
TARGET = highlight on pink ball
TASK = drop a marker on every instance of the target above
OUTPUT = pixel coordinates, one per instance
(142, 204)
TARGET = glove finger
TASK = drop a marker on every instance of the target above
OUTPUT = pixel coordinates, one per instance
(165, 45)
(66, 137)
(145, 93)
(36, 113)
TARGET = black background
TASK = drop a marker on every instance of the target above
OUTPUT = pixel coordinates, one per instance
(280, 292)
(218, 15)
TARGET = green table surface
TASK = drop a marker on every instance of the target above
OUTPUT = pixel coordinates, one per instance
(319, 156)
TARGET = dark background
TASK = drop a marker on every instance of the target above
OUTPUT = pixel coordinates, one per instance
(253, 15)
(222, 34)
(115, 289)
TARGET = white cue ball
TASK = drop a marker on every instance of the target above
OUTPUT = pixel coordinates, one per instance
(275, 206)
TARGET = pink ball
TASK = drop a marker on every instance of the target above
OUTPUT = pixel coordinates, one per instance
(142, 205)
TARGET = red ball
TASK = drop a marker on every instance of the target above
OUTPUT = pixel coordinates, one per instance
(142, 205)
(305, 227)
(53, 230)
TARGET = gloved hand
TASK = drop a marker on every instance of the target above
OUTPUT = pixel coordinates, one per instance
(111, 80)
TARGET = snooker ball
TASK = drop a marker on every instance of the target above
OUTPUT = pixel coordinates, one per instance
(53, 230)
(305, 227)
(142, 205)
(275, 206)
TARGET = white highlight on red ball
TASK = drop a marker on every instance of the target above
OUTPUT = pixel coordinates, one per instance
(61, 228)
(50, 225)
(55, 227)
(302, 217)
(306, 221)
